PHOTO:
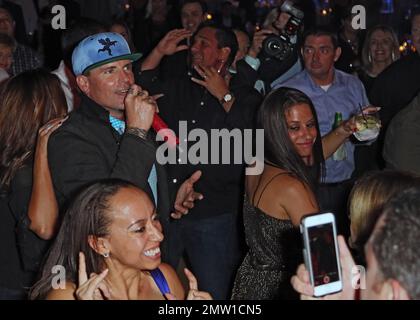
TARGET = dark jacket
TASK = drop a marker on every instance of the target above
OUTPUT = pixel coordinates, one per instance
(270, 69)
(87, 149)
(21, 250)
(396, 86)
(183, 100)
(402, 144)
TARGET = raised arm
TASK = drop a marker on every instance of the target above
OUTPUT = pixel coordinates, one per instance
(167, 46)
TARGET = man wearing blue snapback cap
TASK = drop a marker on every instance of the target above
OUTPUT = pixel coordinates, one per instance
(108, 135)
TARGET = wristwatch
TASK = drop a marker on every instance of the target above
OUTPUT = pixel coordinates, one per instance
(227, 98)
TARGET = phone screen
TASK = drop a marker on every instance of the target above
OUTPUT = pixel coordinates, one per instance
(323, 254)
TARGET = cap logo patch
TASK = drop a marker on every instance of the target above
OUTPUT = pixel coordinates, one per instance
(107, 43)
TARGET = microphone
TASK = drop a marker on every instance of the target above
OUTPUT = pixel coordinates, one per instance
(166, 134)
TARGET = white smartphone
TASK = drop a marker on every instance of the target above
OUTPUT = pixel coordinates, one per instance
(321, 253)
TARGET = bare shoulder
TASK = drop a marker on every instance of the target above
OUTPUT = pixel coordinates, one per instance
(297, 199)
(284, 196)
(292, 186)
(173, 280)
(286, 187)
(67, 293)
(286, 184)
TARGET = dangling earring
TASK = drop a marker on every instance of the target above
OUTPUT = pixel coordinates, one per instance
(106, 255)
(369, 58)
(222, 64)
(393, 55)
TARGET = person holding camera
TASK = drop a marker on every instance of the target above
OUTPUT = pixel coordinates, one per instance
(273, 56)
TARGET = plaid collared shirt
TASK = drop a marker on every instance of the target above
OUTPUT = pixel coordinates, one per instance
(24, 58)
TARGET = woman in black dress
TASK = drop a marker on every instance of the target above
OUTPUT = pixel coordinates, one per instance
(276, 200)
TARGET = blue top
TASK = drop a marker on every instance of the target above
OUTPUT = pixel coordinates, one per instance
(160, 281)
(344, 95)
(119, 126)
(294, 70)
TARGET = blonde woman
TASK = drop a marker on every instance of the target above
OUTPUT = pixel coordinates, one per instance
(369, 194)
(380, 49)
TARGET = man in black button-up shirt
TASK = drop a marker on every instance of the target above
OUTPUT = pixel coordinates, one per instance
(206, 101)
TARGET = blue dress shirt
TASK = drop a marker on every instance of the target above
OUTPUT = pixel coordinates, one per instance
(344, 95)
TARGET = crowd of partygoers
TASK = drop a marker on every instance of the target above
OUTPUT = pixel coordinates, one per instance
(89, 212)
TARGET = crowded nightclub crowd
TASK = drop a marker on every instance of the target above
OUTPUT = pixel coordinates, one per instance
(171, 150)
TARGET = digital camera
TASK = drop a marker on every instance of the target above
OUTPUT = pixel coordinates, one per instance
(280, 46)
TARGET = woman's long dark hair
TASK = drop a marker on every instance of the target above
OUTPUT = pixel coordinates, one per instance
(28, 101)
(279, 149)
(86, 216)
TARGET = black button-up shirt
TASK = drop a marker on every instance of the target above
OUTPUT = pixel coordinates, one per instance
(184, 100)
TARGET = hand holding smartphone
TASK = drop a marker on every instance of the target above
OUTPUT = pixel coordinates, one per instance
(321, 253)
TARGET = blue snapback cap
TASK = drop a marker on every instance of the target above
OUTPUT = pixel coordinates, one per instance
(99, 49)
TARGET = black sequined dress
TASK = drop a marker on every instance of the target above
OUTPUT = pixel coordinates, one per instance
(275, 250)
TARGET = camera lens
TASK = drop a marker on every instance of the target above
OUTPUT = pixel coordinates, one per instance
(277, 47)
(272, 45)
